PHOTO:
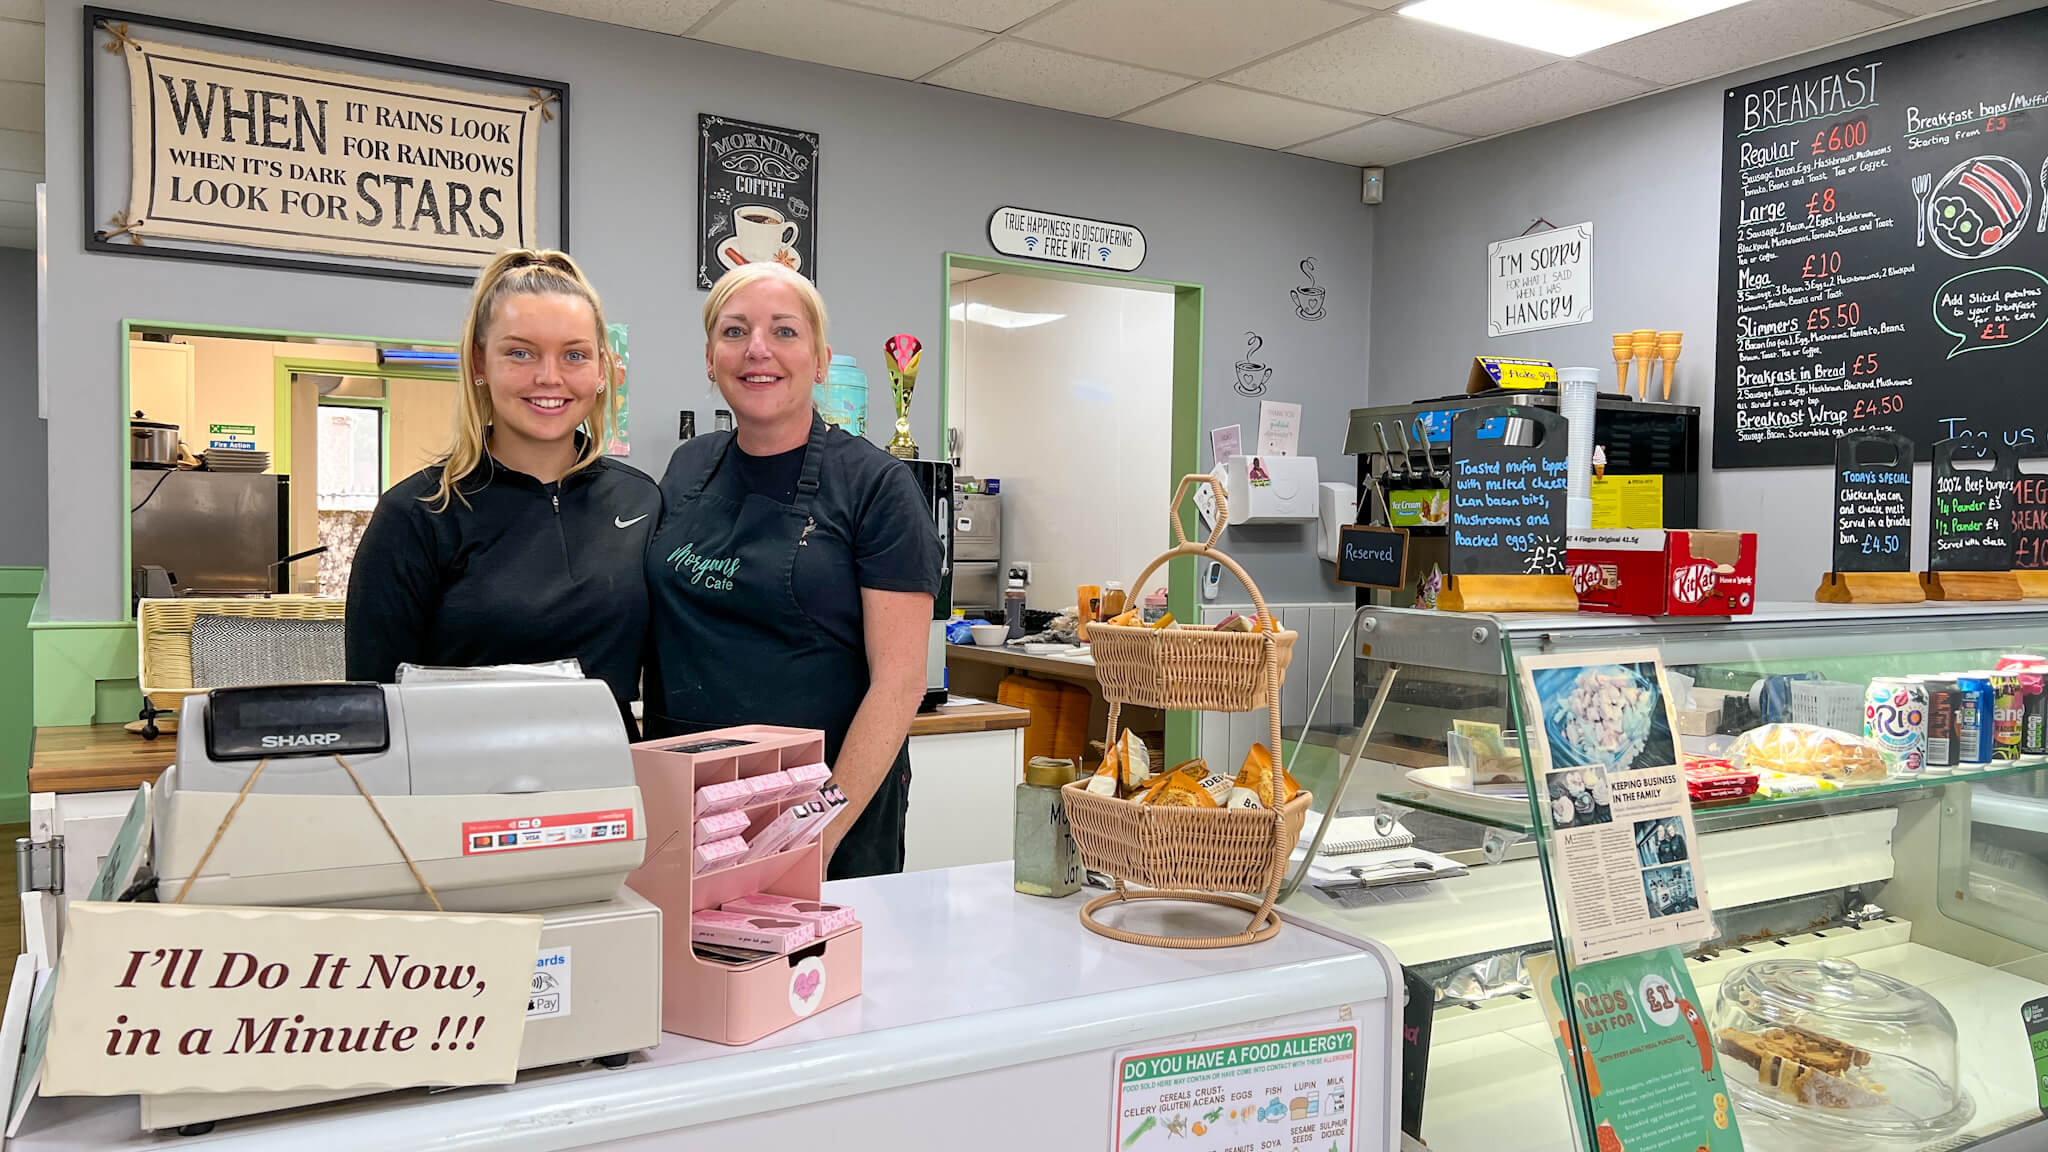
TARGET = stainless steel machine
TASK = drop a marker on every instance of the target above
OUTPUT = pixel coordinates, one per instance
(977, 551)
(510, 796)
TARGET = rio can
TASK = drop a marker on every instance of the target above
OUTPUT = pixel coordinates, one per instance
(1895, 719)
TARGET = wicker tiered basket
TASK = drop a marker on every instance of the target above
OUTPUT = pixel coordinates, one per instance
(164, 640)
(1201, 855)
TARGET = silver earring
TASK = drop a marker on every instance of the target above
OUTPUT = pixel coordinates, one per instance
(600, 389)
(479, 381)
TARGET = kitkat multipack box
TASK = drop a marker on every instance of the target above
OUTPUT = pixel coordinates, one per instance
(1644, 572)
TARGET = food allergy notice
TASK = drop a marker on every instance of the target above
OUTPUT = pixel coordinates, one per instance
(1884, 222)
(1255, 1093)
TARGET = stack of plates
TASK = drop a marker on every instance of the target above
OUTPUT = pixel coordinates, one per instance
(236, 460)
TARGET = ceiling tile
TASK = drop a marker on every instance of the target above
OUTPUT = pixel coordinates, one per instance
(1736, 38)
(1373, 3)
(21, 51)
(18, 238)
(19, 186)
(674, 17)
(1012, 70)
(1381, 143)
(29, 10)
(21, 106)
(1253, 118)
(992, 15)
(1388, 64)
(1561, 90)
(1193, 37)
(21, 151)
(1926, 7)
(14, 214)
(839, 35)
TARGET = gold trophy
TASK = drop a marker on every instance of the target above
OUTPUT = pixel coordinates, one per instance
(903, 351)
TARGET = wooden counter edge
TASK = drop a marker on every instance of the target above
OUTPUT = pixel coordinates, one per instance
(96, 758)
(977, 717)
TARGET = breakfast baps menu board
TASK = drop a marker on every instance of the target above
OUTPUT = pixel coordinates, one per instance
(1883, 234)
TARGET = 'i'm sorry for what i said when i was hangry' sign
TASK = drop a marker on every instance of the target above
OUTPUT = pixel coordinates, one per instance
(273, 154)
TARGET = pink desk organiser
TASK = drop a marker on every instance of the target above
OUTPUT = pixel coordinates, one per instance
(724, 1003)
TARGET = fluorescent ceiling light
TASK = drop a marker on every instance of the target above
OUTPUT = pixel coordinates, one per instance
(1561, 27)
(976, 312)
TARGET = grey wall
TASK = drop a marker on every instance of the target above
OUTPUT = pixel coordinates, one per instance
(907, 173)
(1647, 174)
(24, 488)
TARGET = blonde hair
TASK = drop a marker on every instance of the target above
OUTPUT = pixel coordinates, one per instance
(521, 272)
(747, 275)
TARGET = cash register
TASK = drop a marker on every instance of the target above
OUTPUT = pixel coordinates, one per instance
(509, 796)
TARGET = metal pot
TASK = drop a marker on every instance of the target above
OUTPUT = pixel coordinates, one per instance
(151, 444)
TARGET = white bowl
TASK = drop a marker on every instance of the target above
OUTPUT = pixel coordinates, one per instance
(990, 635)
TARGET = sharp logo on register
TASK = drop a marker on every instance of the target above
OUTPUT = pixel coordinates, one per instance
(303, 740)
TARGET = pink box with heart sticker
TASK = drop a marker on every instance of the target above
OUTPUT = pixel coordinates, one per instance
(705, 997)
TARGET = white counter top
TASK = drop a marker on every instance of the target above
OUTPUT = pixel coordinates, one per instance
(962, 975)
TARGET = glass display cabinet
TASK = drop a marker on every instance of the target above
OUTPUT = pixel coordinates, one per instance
(1873, 930)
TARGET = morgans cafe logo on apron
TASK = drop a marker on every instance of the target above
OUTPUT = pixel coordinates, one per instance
(706, 571)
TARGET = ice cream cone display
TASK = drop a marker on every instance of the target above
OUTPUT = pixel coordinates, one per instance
(1667, 351)
(1623, 342)
(1643, 341)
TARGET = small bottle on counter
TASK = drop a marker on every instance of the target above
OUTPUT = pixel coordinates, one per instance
(1013, 609)
(1113, 600)
(724, 419)
(1044, 859)
(688, 428)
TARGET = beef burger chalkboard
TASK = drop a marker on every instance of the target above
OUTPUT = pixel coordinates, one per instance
(1873, 502)
(1508, 491)
(1972, 523)
(1882, 236)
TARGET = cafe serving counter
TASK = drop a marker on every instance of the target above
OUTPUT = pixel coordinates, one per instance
(988, 1020)
(1938, 879)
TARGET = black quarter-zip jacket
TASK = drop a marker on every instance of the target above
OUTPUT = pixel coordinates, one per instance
(523, 572)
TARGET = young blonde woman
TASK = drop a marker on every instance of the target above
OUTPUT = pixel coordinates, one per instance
(793, 574)
(525, 543)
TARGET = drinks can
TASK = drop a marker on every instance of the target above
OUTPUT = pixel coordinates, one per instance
(1943, 745)
(1895, 719)
(1973, 719)
(2033, 714)
(2007, 711)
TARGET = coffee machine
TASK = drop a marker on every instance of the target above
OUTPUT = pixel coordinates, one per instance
(935, 484)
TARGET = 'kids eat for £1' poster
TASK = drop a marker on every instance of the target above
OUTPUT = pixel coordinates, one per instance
(1644, 1052)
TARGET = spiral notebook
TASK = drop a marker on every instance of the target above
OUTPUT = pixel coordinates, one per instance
(1350, 835)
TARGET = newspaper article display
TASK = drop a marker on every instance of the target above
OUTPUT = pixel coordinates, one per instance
(1612, 789)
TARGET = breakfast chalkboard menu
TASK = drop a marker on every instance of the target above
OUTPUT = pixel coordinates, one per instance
(2030, 524)
(1507, 491)
(1883, 224)
(1972, 524)
(1873, 502)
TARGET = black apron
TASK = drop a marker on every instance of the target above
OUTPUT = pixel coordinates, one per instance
(733, 645)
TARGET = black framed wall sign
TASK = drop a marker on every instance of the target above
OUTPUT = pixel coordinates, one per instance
(757, 197)
(209, 143)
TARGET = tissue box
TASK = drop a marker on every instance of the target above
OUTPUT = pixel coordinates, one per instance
(1664, 573)
(1270, 489)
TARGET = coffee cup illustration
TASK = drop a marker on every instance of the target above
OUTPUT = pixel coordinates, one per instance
(1251, 375)
(1308, 301)
(760, 232)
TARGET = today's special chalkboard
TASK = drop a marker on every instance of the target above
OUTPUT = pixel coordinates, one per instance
(1508, 491)
(1971, 528)
(1873, 502)
(1883, 230)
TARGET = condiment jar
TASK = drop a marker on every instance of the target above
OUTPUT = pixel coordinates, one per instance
(1044, 860)
(1113, 600)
